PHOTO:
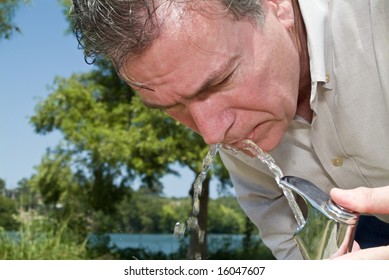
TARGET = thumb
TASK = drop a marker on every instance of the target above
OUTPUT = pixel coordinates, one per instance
(363, 200)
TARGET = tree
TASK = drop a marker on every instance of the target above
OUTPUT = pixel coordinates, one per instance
(7, 13)
(2, 187)
(8, 210)
(222, 208)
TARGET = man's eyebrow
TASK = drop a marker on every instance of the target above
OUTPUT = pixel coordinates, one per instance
(139, 86)
(214, 78)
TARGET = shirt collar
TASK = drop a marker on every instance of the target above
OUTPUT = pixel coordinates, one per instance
(315, 16)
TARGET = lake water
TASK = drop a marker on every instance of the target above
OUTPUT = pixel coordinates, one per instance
(167, 243)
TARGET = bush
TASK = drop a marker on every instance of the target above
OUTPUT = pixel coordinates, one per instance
(7, 212)
(40, 238)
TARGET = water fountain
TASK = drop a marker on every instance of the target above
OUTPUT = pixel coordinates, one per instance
(327, 231)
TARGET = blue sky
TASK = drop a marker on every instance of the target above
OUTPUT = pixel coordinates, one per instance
(29, 62)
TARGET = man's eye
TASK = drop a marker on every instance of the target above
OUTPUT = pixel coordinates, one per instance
(224, 82)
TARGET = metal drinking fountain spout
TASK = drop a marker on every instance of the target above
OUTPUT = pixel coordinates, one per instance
(329, 229)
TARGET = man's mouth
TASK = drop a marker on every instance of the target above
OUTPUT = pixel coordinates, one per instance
(239, 144)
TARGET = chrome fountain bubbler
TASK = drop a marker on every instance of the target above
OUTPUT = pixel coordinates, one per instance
(329, 229)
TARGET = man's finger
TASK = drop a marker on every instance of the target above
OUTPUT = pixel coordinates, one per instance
(363, 200)
(377, 253)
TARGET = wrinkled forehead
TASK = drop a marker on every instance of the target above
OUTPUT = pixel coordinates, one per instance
(187, 15)
(183, 22)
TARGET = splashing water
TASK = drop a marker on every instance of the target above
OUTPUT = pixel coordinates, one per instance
(192, 222)
(277, 172)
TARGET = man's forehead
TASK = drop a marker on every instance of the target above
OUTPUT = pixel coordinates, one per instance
(179, 15)
(198, 48)
(182, 27)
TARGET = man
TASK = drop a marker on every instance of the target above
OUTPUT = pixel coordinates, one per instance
(305, 80)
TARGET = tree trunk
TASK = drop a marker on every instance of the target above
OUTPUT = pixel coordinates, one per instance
(198, 249)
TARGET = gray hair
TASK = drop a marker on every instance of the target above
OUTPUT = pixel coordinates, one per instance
(118, 29)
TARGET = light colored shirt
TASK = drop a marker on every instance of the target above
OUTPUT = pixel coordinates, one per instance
(347, 143)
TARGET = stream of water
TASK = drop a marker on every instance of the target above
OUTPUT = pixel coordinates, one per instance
(267, 159)
(192, 222)
(277, 173)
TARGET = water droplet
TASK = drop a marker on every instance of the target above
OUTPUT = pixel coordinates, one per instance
(201, 236)
(179, 230)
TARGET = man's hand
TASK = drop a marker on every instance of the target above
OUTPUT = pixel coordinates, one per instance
(363, 200)
(368, 201)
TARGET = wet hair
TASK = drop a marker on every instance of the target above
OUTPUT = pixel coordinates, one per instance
(118, 29)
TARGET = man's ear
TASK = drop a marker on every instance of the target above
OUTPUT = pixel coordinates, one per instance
(283, 9)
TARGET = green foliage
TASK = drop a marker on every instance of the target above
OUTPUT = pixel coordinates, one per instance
(89, 122)
(7, 212)
(2, 186)
(145, 212)
(225, 216)
(25, 196)
(39, 238)
(7, 13)
(54, 179)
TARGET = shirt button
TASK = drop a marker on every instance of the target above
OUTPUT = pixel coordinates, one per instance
(328, 78)
(337, 161)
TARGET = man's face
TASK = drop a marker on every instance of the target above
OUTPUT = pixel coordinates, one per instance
(227, 80)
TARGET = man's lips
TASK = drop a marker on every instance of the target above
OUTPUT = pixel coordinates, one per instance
(238, 144)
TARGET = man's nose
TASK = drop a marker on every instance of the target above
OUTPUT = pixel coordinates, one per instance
(212, 121)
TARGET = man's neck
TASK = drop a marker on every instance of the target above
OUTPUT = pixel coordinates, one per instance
(303, 103)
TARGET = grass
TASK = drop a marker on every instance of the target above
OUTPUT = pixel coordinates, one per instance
(39, 238)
